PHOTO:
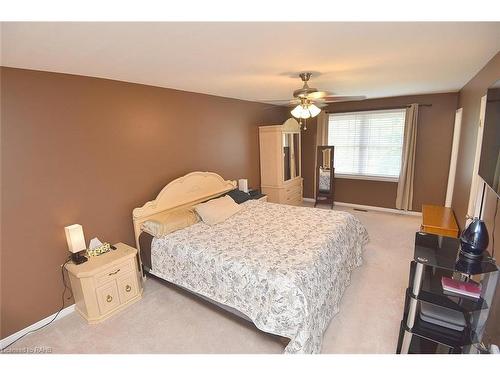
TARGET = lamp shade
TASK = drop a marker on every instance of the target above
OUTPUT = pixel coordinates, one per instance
(75, 238)
(297, 111)
(314, 110)
(305, 113)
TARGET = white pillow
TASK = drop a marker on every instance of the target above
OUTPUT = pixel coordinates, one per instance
(217, 210)
(170, 222)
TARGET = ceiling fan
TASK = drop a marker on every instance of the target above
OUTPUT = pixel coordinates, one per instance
(308, 101)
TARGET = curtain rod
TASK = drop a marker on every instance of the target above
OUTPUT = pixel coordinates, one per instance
(377, 109)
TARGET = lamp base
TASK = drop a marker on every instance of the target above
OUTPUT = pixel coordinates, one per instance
(467, 265)
(78, 258)
(471, 256)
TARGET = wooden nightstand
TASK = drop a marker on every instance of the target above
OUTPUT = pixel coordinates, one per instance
(105, 284)
(259, 197)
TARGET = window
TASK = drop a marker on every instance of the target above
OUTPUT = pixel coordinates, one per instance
(368, 144)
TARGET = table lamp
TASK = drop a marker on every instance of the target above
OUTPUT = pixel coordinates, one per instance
(474, 240)
(243, 184)
(76, 242)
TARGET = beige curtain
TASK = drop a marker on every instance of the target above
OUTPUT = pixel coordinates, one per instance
(404, 195)
(322, 129)
(321, 140)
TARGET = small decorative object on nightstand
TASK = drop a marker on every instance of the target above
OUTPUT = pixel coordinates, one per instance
(106, 283)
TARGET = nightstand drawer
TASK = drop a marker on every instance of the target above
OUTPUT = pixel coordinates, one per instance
(127, 286)
(107, 297)
(112, 273)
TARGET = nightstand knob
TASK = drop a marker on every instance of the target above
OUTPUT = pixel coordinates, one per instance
(128, 288)
(109, 298)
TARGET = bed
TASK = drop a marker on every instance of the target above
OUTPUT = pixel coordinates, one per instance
(283, 267)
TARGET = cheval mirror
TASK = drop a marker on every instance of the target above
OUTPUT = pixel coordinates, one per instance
(290, 152)
(325, 175)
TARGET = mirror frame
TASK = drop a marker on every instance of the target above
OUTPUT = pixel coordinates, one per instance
(323, 197)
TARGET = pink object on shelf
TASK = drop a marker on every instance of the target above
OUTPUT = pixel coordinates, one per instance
(460, 287)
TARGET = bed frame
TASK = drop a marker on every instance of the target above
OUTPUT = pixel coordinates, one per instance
(183, 192)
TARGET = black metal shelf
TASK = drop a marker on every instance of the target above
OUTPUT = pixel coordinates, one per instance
(436, 257)
(452, 302)
(439, 334)
(432, 292)
(442, 252)
(433, 332)
(424, 345)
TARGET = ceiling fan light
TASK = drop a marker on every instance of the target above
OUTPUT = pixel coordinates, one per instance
(314, 110)
(297, 111)
(305, 112)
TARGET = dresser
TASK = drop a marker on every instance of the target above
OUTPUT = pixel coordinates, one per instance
(280, 166)
(105, 284)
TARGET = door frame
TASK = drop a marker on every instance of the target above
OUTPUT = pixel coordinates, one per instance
(476, 187)
(454, 156)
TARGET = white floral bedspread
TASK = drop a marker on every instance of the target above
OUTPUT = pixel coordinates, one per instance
(284, 267)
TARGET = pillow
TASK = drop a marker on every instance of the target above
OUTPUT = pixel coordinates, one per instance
(170, 222)
(217, 210)
(238, 196)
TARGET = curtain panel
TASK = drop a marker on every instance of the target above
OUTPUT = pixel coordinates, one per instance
(404, 196)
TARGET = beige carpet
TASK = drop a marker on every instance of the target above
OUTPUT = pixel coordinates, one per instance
(168, 320)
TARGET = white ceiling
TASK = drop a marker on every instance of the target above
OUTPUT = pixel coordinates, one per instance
(253, 61)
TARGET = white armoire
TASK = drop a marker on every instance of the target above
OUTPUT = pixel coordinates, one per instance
(280, 169)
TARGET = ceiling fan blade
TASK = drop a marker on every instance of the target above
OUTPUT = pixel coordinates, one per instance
(340, 98)
(319, 94)
(271, 107)
(279, 101)
(274, 101)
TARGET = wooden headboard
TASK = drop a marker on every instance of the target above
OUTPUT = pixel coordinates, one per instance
(185, 191)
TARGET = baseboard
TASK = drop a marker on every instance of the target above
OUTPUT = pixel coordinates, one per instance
(10, 339)
(370, 208)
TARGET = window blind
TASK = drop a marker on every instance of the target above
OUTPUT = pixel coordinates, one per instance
(367, 143)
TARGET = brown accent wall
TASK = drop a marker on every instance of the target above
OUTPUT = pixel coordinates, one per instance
(434, 140)
(470, 100)
(87, 150)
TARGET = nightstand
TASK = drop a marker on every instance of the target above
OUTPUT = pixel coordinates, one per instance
(259, 196)
(105, 284)
(262, 198)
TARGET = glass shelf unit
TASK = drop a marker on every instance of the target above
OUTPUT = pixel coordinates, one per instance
(431, 291)
(443, 252)
(436, 257)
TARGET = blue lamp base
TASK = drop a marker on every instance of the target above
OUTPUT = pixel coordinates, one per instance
(474, 240)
